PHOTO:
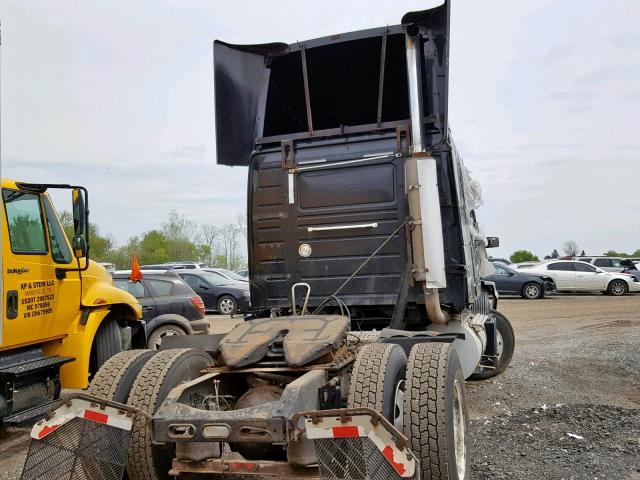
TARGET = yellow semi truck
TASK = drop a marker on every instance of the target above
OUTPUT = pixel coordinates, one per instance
(62, 318)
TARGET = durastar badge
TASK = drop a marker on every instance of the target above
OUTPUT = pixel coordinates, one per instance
(19, 271)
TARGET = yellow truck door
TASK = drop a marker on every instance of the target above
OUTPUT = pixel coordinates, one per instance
(38, 304)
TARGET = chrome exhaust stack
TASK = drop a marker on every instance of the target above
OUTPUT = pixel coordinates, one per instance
(422, 191)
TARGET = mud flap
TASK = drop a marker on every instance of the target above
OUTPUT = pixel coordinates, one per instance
(359, 444)
(84, 438)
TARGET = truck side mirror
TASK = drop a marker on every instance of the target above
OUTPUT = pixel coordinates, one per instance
(79, 246)
(493, 242)
(79, 213)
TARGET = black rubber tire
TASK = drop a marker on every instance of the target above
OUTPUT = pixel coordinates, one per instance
(107, 342)
(525, 295)
(508, 347)
(612, 283)
(164, 371)
(433, 373)
(116, 377)
(158, 332)
(376, 372)
(233, 311)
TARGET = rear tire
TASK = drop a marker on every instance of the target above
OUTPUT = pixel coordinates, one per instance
(116, 377)
(435, 412)
(166, 370)
(155, 339)
(617, 288)
(107, 342)
(377, 380)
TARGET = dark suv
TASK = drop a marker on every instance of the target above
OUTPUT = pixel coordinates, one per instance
(169, 305)
(218, 293)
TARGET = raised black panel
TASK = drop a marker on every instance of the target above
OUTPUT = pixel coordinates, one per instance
(347, 186)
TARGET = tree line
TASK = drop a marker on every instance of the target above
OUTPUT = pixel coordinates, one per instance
(570, 249)
(177, 239)
(181, 239)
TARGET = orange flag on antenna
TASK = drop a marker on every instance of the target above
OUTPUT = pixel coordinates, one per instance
(136, 274)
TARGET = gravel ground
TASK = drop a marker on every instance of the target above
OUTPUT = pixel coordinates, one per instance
(567, 408)
(569, 405)
(14, 443)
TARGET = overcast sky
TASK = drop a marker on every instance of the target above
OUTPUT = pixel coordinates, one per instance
(118, 96)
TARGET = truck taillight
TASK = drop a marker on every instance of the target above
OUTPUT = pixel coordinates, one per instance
(198, 303)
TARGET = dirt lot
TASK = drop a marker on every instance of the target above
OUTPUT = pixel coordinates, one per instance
(569, 405)
(567, 408)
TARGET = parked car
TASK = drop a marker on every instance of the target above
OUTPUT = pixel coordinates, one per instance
(631, 268)
(523, 264)
(228, 274)
(175, 266)
(499, 260)
(243, 273)
(575, 276)
(608, 264)
(169, 305)
(187, 265)
(218, 293)
(528, 285)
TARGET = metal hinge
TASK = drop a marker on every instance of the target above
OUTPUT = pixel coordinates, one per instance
(287, 155)
(400, 132)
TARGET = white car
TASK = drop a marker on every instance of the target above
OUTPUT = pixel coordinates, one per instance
(574, 276)
(522, 265)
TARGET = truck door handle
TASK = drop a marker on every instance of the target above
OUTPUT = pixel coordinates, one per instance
(342, 227)
(12, 304)
(146, 309)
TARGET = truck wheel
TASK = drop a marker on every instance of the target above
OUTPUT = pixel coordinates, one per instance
(377, 380)
(617, 288)
(435, 411)
(164, 371)
(107, 342)
(532, 291)
(506, 344)
(116, 377)
(227, 305)
(155, 339)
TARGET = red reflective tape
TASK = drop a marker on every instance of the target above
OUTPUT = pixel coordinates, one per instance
(388, 454)
(345, 432)
(46, 430)
(96, 416)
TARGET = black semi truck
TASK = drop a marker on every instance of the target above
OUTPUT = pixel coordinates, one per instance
(355, 186)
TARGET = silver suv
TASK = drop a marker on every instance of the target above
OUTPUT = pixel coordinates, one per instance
(608, 264)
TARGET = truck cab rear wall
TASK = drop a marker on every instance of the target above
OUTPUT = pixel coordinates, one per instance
(371, 193)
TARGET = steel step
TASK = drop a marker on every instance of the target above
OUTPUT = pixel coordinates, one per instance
(31, 415)
(34, 365)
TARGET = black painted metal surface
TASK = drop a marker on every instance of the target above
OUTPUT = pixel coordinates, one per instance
(323, 127)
